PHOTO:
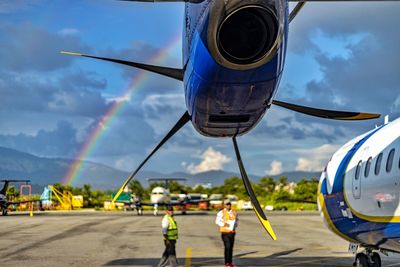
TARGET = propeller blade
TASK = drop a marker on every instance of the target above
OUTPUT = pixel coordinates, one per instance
(181, 122)
(169, 72)
(296, 10)
(327, 114)
(247, 184)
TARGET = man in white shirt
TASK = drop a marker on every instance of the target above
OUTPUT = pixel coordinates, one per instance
(227, 221)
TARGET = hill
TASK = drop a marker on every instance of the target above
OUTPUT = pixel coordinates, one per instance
(42, 171)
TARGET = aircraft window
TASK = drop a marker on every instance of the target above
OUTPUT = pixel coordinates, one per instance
(399, 163)
(368, 167)
(358, 170)
(378, 164)
(389, 162)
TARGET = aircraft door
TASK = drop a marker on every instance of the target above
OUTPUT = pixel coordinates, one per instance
(358, 174)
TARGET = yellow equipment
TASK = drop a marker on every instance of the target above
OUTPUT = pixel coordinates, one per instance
(77, 201)
(66, 199)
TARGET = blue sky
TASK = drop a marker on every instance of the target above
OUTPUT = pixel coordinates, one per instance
(340, 56)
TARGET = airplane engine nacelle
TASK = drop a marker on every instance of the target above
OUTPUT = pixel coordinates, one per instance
(247, 34)
(244, 36)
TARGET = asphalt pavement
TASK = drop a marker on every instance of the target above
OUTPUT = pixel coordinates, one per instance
(90, 238)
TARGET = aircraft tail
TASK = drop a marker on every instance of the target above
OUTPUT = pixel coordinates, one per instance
(7, 182)
(5, 187)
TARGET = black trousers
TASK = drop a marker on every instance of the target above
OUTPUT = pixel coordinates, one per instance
(229, 240)
(169, 255)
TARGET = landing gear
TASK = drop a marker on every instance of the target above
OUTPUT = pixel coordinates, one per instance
(140, 211)
(368, 259)
(155, 211)
(184, 210)
(376, 260)
(361, 260)
(4, 212)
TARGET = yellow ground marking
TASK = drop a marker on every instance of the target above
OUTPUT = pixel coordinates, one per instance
(188, 257)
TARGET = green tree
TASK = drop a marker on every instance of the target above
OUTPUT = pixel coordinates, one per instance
(177, 188)
(87, 195)
(97, 199)
(77, 191)
(281, 196)
(267, 184)
(199, 189)
(137, 188)
(306, 190)
(283, 181)
(11, 193)
(235, 186)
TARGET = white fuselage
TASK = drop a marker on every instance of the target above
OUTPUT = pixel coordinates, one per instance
(359, 189)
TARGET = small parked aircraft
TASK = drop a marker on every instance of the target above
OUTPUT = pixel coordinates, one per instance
(161, 197)
(3, 196)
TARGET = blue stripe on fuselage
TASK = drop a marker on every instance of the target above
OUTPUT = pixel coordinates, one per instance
(341, 172)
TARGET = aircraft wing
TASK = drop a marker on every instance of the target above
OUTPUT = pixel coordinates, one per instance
(141, 203)
(21, 202)
(196, 201)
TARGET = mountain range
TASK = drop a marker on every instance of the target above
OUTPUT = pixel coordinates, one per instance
(43, 171)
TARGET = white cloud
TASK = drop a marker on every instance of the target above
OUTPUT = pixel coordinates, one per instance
(156, 101)
(275, 168)
(68, 32)
(212, 160)
(315, 159)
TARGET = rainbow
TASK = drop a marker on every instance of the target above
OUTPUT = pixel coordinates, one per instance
(95, 135)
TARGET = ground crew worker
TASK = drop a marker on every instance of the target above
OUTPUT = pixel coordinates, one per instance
(227, 220)
(170, 233)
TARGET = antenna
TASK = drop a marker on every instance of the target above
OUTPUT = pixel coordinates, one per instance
(386, 119)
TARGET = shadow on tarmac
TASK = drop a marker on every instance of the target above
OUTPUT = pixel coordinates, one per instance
(276, 259)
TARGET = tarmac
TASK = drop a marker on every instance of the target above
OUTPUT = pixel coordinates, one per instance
(92, 238)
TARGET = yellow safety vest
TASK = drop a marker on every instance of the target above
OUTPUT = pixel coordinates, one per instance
(226, 217)
(172, 231)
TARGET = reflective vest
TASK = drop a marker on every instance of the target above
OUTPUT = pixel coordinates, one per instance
(226, 218)
(172, 231)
